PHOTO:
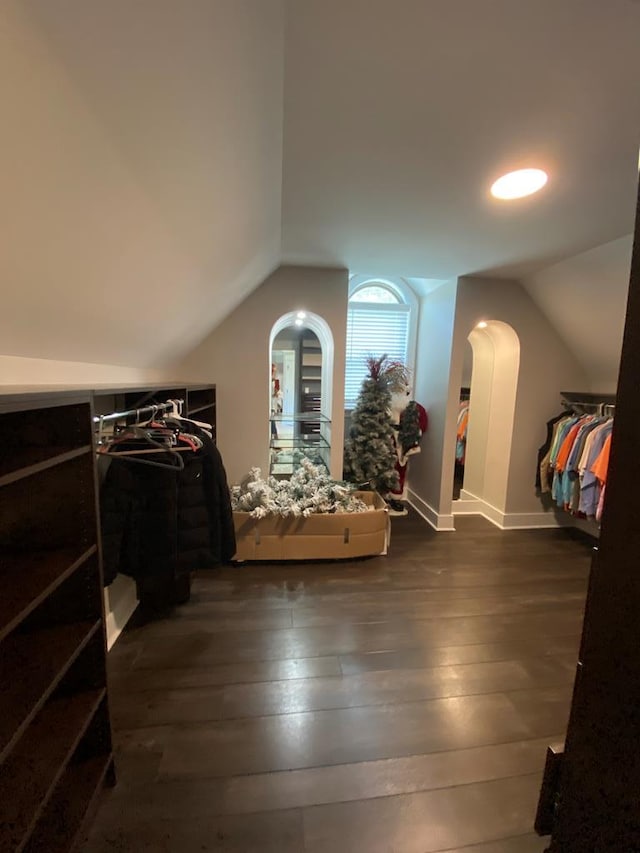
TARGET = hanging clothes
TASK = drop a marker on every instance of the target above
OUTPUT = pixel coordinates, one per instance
(461, 432)
(161, 519)
(566, 462)
(543, 454)
(600, 468)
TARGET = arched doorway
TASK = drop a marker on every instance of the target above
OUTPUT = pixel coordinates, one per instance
(492, 401)
(304, 428)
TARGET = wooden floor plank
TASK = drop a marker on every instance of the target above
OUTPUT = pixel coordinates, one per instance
(393, 703)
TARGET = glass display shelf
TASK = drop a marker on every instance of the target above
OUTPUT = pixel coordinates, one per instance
(301, 416)
(294, 437)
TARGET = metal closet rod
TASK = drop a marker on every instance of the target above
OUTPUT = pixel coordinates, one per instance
(144, 412)
(587, 398)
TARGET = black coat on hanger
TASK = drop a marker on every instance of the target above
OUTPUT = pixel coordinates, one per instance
(159, 522)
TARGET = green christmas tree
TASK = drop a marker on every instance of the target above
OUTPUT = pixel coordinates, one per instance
(369, 454)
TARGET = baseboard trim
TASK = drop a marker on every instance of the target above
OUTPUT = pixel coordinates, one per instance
(463, 506)
(439, 521)
(472, 505)
(532, 520)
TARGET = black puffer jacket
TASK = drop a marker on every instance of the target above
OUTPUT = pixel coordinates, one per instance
(163, 522)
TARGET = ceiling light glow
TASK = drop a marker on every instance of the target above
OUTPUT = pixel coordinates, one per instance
(482, 324)
(519, 184)
(301, 315)
(298, 321)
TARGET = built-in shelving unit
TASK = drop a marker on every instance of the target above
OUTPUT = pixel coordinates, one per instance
(310, 366)
(55, 735)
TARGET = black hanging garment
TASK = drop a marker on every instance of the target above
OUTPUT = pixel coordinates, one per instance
(160, 524)
(542, 451)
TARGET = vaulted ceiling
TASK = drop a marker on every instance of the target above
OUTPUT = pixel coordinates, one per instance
(140, 172)
(159, 158)
(399, 115)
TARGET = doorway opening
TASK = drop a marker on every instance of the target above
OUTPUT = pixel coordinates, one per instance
(489, 421)
(300, 381)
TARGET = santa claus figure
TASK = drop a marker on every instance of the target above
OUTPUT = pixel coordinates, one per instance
(410, 421)
(276, 399)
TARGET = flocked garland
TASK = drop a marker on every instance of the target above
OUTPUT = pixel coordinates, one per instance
(310, 490)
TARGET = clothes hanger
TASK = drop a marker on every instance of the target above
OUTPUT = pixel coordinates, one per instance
(177, 414)
(133, 455)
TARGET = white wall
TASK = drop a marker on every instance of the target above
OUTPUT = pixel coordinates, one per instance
(546, 368)
(437, 382)
(585, 297)
(480, 406)
(494, 386)
(236, 357)
(467, 367)
(15, 370)
(140, 173)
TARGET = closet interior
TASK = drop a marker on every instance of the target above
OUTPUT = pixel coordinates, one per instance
(572, 464)
(461, 441)
(55, 733)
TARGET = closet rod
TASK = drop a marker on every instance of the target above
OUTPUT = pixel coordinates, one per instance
(588, 403)
(585, 398)
(145, 412)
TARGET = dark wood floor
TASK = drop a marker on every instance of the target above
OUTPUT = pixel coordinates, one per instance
(399, 704)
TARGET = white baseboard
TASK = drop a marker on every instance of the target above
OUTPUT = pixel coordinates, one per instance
(471, 505)
(439, 521)
(120, 602)
(532, 520)
(464, 506)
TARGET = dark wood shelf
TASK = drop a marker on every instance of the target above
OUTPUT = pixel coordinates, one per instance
(31, 666)
(55, 733)
(64, 819)
(28, 579)
(196, 409)
(32, 770)
(33, 460)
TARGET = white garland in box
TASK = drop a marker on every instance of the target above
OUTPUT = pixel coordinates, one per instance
(310, 490)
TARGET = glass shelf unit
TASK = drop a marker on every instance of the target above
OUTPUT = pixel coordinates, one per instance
(293, 437)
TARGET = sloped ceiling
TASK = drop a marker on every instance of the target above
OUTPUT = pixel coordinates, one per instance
(585, 297)
(399, 115)
(140, 173)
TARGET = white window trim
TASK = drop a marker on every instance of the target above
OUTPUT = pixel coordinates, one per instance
(408, 302)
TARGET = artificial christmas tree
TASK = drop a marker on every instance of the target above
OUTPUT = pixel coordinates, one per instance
(370, 456)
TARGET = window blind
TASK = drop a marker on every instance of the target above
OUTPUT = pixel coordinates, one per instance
(373, 330)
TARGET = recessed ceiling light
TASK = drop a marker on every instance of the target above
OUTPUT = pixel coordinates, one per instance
(519, 184)
(482, 324)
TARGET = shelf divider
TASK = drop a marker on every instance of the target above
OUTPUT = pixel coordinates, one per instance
(28, 579)
(31, 666)
(34, 767)
(34, 460)
(70, 806)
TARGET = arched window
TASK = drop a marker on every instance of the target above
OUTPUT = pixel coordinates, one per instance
(382, 318)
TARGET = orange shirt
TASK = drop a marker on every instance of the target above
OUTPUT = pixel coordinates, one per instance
(601, 465)
(462, 426)
(566, 447)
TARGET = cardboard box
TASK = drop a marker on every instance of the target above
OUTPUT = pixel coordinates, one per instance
(323, 536)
